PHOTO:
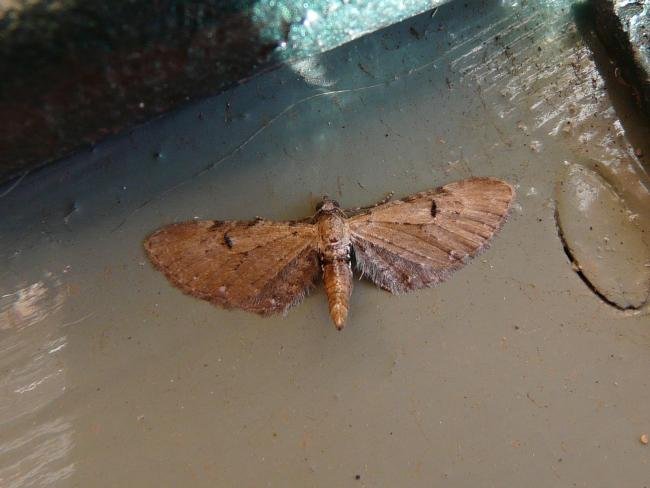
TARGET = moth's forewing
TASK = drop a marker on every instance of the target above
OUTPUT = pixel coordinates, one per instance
(260, 266)
(420, 240)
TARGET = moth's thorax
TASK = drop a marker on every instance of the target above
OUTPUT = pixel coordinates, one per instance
(333, 236)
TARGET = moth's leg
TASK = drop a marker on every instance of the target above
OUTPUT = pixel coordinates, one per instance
(355, 211)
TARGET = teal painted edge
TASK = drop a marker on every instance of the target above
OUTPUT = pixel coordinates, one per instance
(303, 28)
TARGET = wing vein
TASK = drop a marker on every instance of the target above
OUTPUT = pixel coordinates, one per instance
(399, 246)
(434, 242)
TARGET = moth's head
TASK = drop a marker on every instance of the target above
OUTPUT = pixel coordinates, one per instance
(327, 205)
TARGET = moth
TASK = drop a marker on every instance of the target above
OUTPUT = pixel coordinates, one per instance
(267, 267)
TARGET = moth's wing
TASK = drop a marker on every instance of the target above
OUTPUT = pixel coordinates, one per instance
(420, 240)
(260, 266)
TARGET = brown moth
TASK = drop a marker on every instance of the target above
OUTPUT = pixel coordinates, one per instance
(267, 267)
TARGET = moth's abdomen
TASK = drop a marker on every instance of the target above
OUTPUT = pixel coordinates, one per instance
(337, 276)
(334, 249)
